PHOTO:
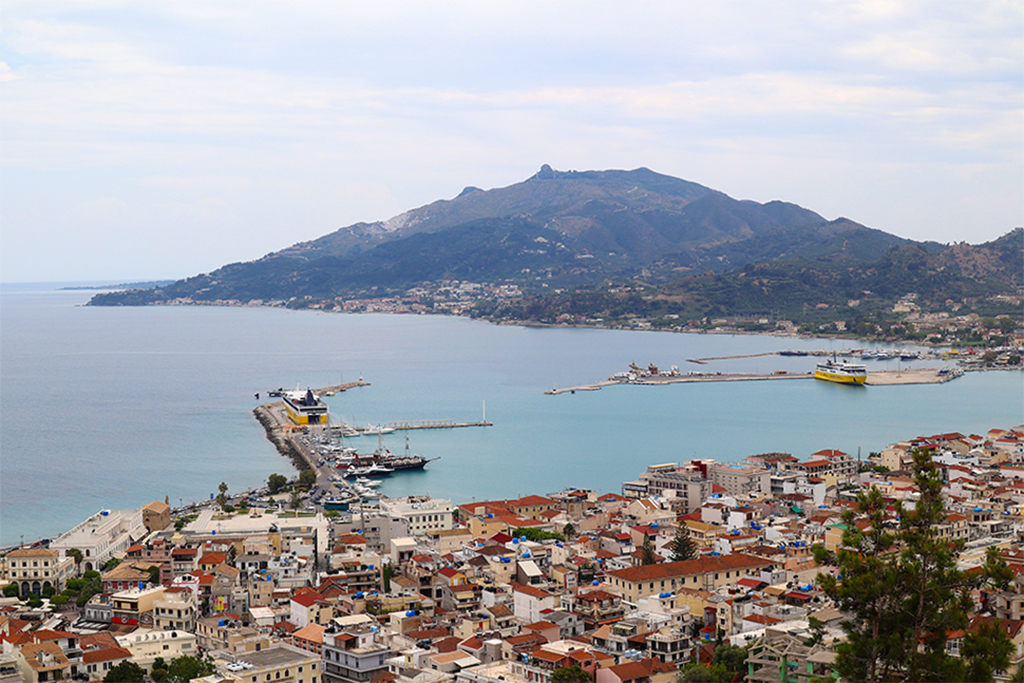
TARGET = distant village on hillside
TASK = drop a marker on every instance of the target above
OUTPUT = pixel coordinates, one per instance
(641, 586)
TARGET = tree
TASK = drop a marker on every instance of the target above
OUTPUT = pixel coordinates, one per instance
(647, 555)
(111, 563)
(307, 478)
(296, 501)
(183, 669)
(385, 577)
(682, 546)
(125, 672)
(76, 554)
(154, 575)
(570, 674)
(276, 482)
(899, 582)
(222, 497)
(11, 590)
(569, 531)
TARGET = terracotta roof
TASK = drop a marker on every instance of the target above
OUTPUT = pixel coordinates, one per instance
(701, 565)
(106, 655)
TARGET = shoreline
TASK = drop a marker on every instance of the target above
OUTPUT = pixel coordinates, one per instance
(596, 326)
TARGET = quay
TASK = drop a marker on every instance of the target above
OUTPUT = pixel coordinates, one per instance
(337, 388)
(436, 424)
(682, 379)
(874, 378)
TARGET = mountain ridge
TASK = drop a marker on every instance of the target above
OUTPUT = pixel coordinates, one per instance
(557, 229)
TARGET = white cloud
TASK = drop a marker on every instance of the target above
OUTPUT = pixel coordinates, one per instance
(292, 120)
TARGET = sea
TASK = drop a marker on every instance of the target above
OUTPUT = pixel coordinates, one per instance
(112, 408)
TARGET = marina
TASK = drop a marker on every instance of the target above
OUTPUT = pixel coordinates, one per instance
(652, 377)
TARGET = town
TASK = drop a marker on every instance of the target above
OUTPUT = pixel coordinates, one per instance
(693, 571)
(989, 324)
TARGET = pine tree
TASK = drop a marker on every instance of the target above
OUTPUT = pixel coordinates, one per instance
(682, 546)
(899, 582)
(647, 555)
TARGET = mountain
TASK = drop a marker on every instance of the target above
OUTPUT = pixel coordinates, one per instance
(556, 229)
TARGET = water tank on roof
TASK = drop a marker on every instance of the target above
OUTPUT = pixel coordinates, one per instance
(526, 553)
(490, 515)
(595, 582)
(515, 540)
(522, 538)
(714, 554)
(410, 613)
(220, 622)
(665, 595)
(654, 525)
(977, 509)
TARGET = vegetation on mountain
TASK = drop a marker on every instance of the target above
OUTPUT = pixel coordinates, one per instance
(612, 245)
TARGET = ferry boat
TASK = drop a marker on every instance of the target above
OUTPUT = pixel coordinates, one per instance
(304, 407)
(842, 372)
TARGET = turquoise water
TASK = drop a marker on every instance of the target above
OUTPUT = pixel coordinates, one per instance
(115, 407)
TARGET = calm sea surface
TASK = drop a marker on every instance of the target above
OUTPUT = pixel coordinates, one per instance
(116, 407)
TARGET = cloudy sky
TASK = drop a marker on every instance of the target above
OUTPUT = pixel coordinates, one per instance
(145, 140)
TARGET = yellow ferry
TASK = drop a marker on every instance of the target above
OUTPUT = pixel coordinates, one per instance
(842, 372)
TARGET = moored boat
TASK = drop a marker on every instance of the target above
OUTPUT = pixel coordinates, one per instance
(841, 372)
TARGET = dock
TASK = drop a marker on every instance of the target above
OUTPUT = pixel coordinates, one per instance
(875, 378)
(436, 424)
(683, 379)
(338, 388)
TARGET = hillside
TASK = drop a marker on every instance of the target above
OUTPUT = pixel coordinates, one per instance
(567, 229)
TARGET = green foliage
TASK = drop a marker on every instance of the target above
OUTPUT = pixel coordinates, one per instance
(111, 563)
(154, 575)
(35, 601)
(59, 600)
(276, 482)
(183, 669)
(125, 672)
(536, 535)
(682, 546)
(49, 591)
(900, 584)
(727, 663)
(222, 496)
(568, 531)
(385, 577)
(295, 502)
(307, 478)
(76, 554)
(11, 590)
(76, 584)
(90, 585)
(647, 555)
(570, 674)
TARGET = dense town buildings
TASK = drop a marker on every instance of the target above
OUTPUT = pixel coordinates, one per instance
(418, 590)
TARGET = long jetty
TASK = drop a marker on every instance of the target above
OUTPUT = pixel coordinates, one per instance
(681, 379)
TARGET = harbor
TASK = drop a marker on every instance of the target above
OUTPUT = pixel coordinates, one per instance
(652, 376)
(300, 428)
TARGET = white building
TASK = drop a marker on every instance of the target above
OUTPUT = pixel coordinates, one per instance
(422, 513)
(106, 534)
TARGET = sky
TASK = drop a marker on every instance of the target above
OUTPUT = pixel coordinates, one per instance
(157, 140)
